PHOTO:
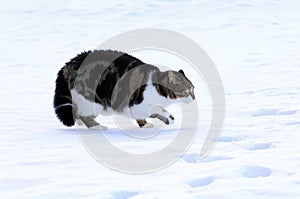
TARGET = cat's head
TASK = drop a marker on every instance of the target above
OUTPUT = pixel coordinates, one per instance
(174, 85)
(181, 86)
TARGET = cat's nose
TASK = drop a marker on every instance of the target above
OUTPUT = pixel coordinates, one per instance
(192, 95)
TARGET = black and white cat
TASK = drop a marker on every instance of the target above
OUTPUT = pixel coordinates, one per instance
(101, 81)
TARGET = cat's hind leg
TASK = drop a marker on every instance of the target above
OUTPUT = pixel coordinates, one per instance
(79, 122)
(91, 123)
(161, 114)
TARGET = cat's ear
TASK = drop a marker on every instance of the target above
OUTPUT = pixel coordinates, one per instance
(181, 71)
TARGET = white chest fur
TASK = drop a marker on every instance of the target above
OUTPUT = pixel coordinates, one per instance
(151, 100)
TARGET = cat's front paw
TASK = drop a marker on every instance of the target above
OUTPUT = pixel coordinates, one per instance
(169, 120)
(99, 128)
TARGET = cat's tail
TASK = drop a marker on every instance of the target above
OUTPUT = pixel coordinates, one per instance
(63, 100)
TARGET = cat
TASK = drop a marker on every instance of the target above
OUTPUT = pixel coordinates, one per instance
(101, 81)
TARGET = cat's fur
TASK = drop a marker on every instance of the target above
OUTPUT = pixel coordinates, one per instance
(99, 81)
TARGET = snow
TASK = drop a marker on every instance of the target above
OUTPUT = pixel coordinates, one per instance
(255, 47)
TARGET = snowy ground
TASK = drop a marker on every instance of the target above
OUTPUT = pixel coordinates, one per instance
(255, 46)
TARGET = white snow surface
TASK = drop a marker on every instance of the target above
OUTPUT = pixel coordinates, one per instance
(255, 46)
